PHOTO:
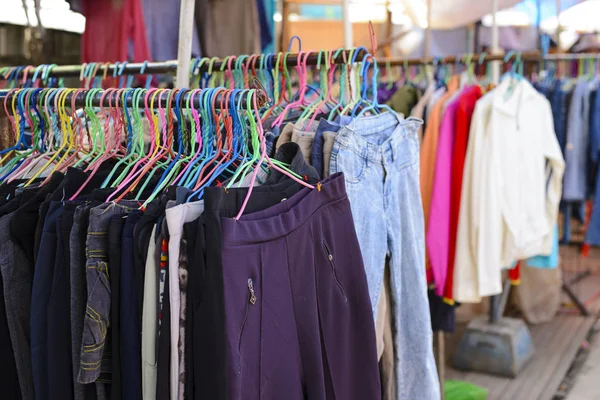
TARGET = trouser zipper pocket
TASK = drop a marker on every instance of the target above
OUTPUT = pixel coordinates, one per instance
(333, 271)
(251, 301)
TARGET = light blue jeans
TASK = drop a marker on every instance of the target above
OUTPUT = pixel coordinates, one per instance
(379, 157)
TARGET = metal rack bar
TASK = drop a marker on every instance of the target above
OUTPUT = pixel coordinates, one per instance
(170, 67)
(533, 56)
(526, 57)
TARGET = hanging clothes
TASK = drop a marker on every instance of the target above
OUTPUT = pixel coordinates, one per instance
(218, 19)
(114, 31)
(266, 12)
(429, 153)
(464, 114)
(437, 238)
(488, 212)
(378, 155)
(147, 243)
(161, 20)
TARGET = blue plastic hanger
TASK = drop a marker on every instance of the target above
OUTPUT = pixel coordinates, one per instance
(235, 150)
(208, 127)
(514, 75)
(375, 103)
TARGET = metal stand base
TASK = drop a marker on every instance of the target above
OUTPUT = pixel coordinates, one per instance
(496, 345)
(500, 348)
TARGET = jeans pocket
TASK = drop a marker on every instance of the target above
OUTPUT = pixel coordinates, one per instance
(98, 306)
(350, 163)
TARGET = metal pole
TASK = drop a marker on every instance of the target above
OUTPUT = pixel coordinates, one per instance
(184, 51)
(538, 21)
(284, 26)
(559, 27)
(530, 56)
(348, 39)
(428, 30)
(495, 42)
(164, 67)
(471, 38)
(441, 359)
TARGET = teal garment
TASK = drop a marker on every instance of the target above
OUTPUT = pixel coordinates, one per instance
(550, 261)
(547, 262)
(266, 10)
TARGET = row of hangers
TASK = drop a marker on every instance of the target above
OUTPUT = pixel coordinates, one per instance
(219, 131)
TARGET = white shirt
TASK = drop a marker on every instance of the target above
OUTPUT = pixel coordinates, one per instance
(512, 185)
(149, 334)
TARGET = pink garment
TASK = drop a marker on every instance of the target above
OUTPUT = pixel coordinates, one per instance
(114, 31)
(438, 229)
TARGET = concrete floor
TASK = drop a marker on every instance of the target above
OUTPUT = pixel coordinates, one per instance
(587, 382)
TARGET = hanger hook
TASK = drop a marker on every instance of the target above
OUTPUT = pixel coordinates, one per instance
(116, 69)
(211, 64)
(292, 42)
(319, 59)
(122, 68)
(508, 56)
(355, 54)
(482, 58)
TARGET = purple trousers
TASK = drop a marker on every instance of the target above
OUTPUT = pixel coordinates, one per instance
(298, 317)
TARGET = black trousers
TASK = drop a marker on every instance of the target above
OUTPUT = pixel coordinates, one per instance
(114, 256)
(60, 375)
(9, 380)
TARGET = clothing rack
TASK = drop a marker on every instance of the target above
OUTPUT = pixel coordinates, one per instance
(170, 67)
(533, 56)
(498, 303)
(526, 57)
(155, 101)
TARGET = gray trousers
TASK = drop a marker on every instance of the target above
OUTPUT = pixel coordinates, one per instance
(17, 275)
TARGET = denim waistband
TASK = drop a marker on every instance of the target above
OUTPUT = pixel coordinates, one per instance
(106, 210)
(368, 137)
(283, 218)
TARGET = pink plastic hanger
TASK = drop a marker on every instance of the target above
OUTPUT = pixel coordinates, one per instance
(138, 168)
(301, 102)
(198, 137)
(263, 157)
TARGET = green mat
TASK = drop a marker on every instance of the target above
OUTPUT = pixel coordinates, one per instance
(458, 390)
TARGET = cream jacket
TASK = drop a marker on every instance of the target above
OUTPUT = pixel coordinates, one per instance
(511, 189)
